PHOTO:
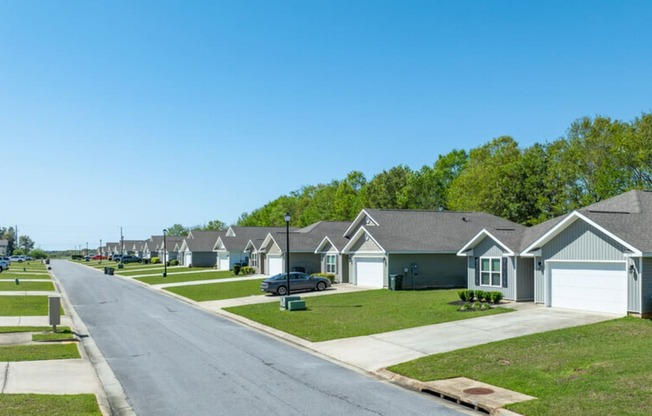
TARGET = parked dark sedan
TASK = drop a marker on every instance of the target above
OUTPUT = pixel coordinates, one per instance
(130, 259)
(298, 281)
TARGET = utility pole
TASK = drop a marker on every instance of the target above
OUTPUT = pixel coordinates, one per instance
(122, 242)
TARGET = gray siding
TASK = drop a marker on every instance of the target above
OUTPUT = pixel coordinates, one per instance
(633, 286)
(309, 261)
(365, 245)
(433, 270)
(581, 241)
(489, 248)
(646, 286)
(539, 283)
(204, 259)
(525, 276)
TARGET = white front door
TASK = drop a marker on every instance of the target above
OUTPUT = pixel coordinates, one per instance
(223, 261)
(597, 287)
(274, 264)
(187, 259)
(369, 271)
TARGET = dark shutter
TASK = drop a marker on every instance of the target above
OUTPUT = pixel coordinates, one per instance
(504, 271)
(477, 271)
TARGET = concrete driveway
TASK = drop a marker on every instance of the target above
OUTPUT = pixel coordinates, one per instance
(374, 352)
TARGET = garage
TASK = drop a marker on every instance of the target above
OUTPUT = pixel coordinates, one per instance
(597, 287)
(369, 271)
(223, 261)
(274, 264)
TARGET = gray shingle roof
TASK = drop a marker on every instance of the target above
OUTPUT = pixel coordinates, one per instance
(306, 240)
(202, 240)
(242, 236)
(407, 231)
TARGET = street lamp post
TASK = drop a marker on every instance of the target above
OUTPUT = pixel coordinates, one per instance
(101, 255)
(165, 254)
(287, 219)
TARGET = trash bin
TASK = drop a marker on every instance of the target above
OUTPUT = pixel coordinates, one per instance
(395, 281)
(47, 261)
(110, 270)
(106, 270)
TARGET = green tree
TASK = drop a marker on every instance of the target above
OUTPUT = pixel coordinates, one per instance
(38, 254)
(386, 189)
(177, 230)
(25, 243)
(349, 197)
(214, 225)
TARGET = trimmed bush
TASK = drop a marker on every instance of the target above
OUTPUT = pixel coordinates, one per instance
(247, 270)
(174, 262)
(236, 269)
(462, 295)
(480, 295)
(155, 260)
(495, 297)
(329, 276)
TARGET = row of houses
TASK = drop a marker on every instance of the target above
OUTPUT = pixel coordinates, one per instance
(598, 258)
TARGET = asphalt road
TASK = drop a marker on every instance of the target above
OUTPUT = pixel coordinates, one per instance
(174, 359)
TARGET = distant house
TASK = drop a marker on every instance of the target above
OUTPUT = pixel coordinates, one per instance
(168, 248)
(197, 249)
(303, 242)
(151, 246)
(330, 249)
(231, 246)
(4, 247)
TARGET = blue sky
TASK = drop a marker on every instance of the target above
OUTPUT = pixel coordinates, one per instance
(143, 114)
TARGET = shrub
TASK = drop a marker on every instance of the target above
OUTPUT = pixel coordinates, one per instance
(464, 307)
(329, 276)
(476, 306)
(155, 260)
(77, 257)
(484, 306)
(462, 295)
(495, 297)
(480, 295)
(236, 269)
(174, 262)
(247, 270)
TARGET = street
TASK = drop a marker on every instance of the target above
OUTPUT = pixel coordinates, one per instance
(174, 359)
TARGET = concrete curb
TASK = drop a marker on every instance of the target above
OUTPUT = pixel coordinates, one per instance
(113, 401)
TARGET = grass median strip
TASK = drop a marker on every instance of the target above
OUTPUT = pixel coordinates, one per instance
(218, 291)
(599, 369)
(38, 352)
(9, 275)
(51, 405)
(361, 313)
(186, 277)
(24, 306)
(11, 286)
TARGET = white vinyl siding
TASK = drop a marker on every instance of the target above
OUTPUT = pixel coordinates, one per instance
(490, 271)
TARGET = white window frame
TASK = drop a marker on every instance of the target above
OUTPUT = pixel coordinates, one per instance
(333, 264)
(253, 259)
(491, 272)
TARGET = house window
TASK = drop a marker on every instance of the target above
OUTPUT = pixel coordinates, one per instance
(331, 263)
(254, 259)
(490, 271)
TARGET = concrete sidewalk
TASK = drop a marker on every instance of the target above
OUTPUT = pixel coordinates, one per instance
(204, 282)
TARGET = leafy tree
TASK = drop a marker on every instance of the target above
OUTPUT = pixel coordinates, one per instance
(349, 197)
(38, 254)
(385, 189)
(215, 225)
(25, 243)
(177, 230)
(18, 252)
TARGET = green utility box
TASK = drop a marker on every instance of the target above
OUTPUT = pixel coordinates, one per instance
(297, 305)
(285, 300)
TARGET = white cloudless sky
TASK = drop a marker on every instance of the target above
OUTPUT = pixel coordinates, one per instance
(143, 114)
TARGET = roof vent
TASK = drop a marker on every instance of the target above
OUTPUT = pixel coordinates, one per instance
(465, 219)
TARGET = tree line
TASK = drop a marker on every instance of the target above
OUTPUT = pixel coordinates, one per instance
(596, 159)
(25, 243)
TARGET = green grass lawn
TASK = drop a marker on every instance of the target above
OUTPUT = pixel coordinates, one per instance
(11, 275)
(159, 269)
(25, 285)
(38, 352)
(218, 291)
(9, 329)
(599, 369)
(51, 405)
(361, 313)
(187, 277)
(24, 306)
(62, 334)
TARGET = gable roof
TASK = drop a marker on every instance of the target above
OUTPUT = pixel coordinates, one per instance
(627, 218)
(307, 239)
(236, 238)
(202, 240)
(412, 231)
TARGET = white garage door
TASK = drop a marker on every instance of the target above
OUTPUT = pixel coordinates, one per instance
(223, 261)
(274, 265)
(369, 272)
(598, 287)
(187, 258)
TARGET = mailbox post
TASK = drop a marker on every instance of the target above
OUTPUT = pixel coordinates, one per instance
(54, 311)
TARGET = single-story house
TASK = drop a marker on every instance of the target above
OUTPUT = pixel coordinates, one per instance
(197, 248)
(303, 242)
(598, 258)
(230, 247)
(168, 249)
(420, 246)
(330, 249)
(151, 246)
(4, 247)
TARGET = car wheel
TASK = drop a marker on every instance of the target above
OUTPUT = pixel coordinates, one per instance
(282, 290)
(321, 286)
